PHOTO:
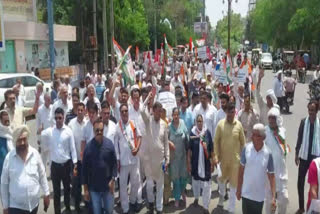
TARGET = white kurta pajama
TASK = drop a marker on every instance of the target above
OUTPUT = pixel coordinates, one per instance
(157, 152)
(129, 164)
(281, 172)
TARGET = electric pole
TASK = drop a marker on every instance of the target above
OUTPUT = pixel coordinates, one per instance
(51, 37)
(95, 60)
(155, 26)
(229, 22)
(112, 35)
(105, 36)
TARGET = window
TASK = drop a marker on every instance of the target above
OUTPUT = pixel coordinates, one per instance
(7, 83)
(29, 81)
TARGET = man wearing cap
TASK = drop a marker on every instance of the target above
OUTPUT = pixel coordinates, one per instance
(265, 106)
(276, 142)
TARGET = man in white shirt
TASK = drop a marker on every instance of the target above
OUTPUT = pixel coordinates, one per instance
(63, 102)
(109, 129)
(256, 165)
(23, 176)
(43, 122)
(207, 111)
(88, 133)
(77, 125)
(221, 113)
(59, 140)
(127, 144)
(19, 98)
(278, 89)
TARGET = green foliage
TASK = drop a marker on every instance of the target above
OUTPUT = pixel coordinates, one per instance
(286, 23)
(236, 33)
(130, 23)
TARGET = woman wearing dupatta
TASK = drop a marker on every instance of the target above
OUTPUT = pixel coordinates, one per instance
(200, 162)
(178, 140)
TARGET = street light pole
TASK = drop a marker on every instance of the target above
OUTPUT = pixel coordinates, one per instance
(229, 22)
(51, 37)
(155, 27)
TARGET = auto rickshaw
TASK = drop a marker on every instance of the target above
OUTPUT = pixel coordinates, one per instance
(256, 54)
(288, 60)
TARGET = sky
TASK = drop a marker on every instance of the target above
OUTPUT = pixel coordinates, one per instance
(214, 9)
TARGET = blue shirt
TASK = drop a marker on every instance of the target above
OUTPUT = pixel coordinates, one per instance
(187, 118)
(100, 89)
(99, 165)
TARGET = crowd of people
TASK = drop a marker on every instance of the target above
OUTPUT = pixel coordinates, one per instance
(106, 136)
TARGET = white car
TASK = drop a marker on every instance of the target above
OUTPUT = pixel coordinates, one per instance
(29, 81)
(266, 60)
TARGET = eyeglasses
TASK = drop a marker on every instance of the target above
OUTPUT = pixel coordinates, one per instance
(98, 130)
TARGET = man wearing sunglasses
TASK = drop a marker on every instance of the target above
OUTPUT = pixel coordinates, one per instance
(59, 141)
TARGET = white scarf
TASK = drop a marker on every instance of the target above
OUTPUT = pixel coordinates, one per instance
(201, 163)
(5, 131)
(303, 154)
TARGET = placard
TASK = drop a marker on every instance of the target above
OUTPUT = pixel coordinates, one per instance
(242, 74)
(168, 101)
(221, 76)
(202, 52)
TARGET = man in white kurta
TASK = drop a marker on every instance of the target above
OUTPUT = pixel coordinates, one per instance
(275, 141)
(127, 143)
(157, 151)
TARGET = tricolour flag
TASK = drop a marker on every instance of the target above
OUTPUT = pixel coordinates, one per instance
(125, 63)
(137, 54)
(167, 47)
(228, 67)
(191, 46)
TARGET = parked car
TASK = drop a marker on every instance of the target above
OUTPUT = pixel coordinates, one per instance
(266, 60)
(29, 81)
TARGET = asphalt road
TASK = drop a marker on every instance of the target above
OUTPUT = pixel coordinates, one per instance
(291, 123)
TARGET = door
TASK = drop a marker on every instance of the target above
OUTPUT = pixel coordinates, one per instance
(8, 59)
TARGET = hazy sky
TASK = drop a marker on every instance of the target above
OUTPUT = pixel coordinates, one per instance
(214, 9)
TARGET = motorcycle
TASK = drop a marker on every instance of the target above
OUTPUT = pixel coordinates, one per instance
(239, 62)
(277, 65)
(288, 101)
(301, 72)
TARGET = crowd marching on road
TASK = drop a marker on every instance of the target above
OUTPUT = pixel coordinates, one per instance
(159, 134)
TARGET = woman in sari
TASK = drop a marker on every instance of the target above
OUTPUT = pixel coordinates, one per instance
(178, 140)
(200, 162)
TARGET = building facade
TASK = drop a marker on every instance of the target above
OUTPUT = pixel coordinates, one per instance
(26, 40)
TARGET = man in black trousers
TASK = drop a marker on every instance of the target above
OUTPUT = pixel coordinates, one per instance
(307, 148)
(59, 141)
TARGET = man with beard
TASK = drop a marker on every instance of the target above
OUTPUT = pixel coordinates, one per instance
(109, 129)
(157, 151)
(59, 140)
(77, 125)
(5, 137)
(99, 171)
(17, 114)
(229, 141)
(23, 176)
(127, 144)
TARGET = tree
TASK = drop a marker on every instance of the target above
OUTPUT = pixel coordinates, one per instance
(236, 32)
